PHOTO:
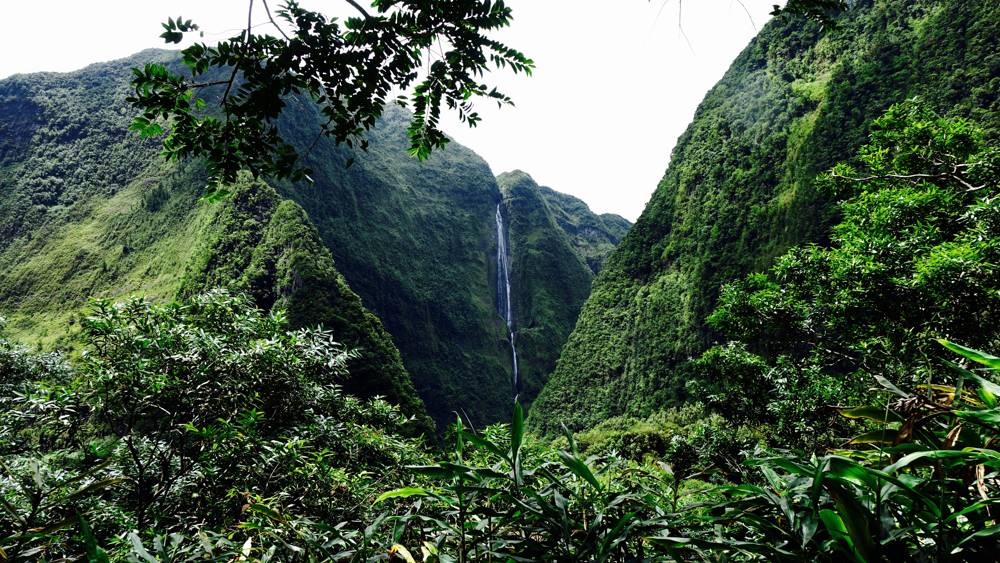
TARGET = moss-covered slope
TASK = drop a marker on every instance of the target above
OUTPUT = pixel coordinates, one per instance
(266, 246)
(416, 241)
(87, 209)
(738, 190)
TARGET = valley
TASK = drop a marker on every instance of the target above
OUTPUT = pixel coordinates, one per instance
(417, 242)
(254, 308)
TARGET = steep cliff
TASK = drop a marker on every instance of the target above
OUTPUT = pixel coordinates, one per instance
(594, 236)
(739, 187)
(549, 279)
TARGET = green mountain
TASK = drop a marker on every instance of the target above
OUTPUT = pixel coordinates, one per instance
(594, 236)
(739, 188)
(395, 257)
(418, 242)
(87, 210)
(267, 247)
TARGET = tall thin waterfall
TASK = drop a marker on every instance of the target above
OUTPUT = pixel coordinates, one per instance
(504, 306)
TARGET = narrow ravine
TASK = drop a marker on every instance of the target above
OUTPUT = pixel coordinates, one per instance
(504, 306)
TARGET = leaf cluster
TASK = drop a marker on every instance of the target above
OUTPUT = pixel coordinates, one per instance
(204, 421)
(435, 53)
(500, 497)
(919, 485)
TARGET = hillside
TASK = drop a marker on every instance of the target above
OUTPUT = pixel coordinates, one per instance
(87, 209)
(90, 211)
(416, 241)
(739, 189)
(265, 246)
(594, 236)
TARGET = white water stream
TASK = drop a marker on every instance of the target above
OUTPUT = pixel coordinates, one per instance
(504, 306)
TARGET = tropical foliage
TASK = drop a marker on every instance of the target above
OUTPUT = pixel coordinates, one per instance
(350, 68)
(912, 259)
(187, 418)
(918, 486)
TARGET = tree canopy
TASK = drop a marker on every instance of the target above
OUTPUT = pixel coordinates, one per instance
(911, 260)
(422, 54)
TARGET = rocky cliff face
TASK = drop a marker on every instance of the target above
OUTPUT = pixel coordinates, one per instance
(550, 278)
(593, 236)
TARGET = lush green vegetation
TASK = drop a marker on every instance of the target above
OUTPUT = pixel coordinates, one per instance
(913, 258)
(122, 224)
(196, 432)
(925, 495)
(768, 368)
(549, 280)
(593, 236)
(265, 246)
(902, 469)
(414, 239)
(194, 421)
(739, 190)
(417, 241)
(840, 430)
(82, 211)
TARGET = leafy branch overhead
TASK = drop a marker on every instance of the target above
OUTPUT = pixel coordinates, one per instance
(425, 55)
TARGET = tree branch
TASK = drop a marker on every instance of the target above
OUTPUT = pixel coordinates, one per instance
(207, 84)
(942, 176)
(267, 9)
(749, 17)
(680, 24)
(232, 77)
(360, 9)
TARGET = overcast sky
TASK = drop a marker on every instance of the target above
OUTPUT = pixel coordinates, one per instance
(616, 82)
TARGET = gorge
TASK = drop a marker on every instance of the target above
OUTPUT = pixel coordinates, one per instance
(90, 211)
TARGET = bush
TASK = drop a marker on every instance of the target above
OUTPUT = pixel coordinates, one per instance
(194, 418)
(913, 258)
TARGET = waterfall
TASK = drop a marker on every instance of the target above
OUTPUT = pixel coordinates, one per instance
(504, 306)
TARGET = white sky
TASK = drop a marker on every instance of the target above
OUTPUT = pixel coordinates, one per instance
(616, 81)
